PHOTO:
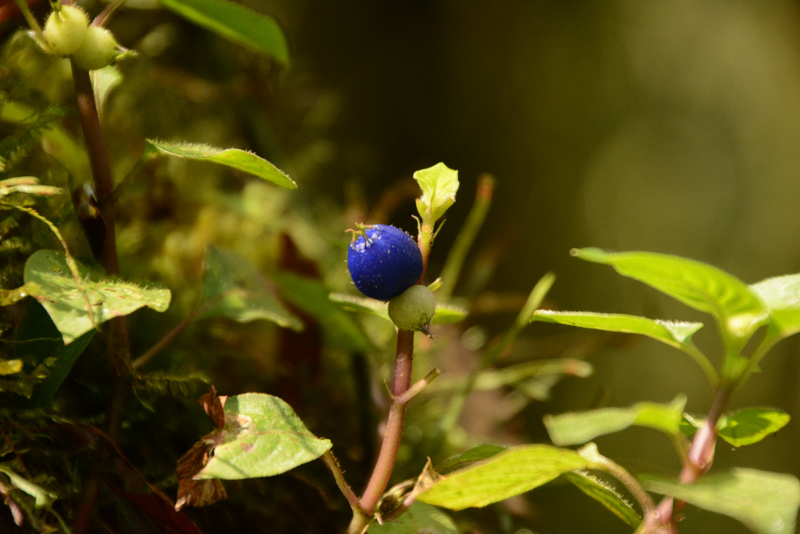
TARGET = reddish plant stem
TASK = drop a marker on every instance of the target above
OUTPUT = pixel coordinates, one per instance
(394, 425)
(699, 460)
(117, 341)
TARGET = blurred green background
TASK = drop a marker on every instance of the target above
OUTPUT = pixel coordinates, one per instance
(662, 126)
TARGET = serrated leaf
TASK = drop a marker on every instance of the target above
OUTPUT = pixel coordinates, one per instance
(262, 437)
(237, 23)
(439, 186)
(446, 313)
(504, 475)
(606, 495)
(243, 294)
(419, 518)
(782, 295)
(49, 280)
(751, 425)
(673, 333)
(311, 296)
(477, 454)
(576, 428)
(738, 311)
(229, 157)
(765, 502)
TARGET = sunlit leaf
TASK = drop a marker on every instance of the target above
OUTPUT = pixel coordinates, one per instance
(581, 427)
(606, 495)
(477, 454)
(419, 518)
(751, 425)
(311, 296)
(237, 23)
(50, 281)
(782, 295)
(675, 334)
(241, 291)
(42, 497)
(766, 502)
(229, 157)
(262, 437)
(439, 186)
(504, 475)
(10, 367)
(738, 310)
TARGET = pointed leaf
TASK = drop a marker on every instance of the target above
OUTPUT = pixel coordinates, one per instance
(244, 295)
(445, 313)
(439, 186)
(675, 334)
(738, 310)
(419, 518)
(237, 23)
(262, 437)
(782, 295)
(606, 495)
(766, 502)
(576, 428)
(751, 425)
(311, 296)
(229, 157)
(477, 454)
(50, 281)
(504, 475)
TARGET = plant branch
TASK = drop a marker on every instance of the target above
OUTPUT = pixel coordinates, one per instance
(338, 475)
(29, 18)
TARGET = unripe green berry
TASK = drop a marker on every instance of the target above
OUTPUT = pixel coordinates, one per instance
(65, 30)
(99, 49)
(413, 309)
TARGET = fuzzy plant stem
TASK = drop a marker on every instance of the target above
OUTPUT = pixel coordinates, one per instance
(117, 345)
(664, 520)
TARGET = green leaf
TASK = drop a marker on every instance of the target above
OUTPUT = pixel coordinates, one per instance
(439, 186)
(446, 313)
(42, 497)
(104, 81)
(675, 334)
(237, 23)
(10, 367)
(576, 428)
(229, 157)
(477, 454)
(738, 310)
(50, 281)
(419, 518)
(242, 293)
(262, 437)
(751, 425)
(502, 476)
(782, 295)
(606, 495)
(765, 502)
(311, 296)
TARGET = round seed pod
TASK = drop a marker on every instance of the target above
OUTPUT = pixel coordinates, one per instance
(65, 30)
(413, 309)
(383, 261)
(99, 49)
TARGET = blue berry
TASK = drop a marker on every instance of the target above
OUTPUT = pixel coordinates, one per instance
(384, 261)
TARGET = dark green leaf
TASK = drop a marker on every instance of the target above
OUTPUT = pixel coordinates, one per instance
(230, 157)
(50, 281)
(576, 428)
(243, 294)
(751, 425)
(606, 495)
(262, 437)
(766, 502)
(311, 296)
(237, 23)
(738, 310)
(419, 518)
(504, 475)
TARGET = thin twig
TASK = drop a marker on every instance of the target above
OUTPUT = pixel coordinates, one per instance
(418, 386)
(338, 475)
